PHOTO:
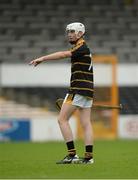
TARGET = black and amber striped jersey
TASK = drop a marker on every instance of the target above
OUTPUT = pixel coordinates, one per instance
(81, 70)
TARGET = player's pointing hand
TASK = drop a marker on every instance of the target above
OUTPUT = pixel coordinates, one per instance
(35, 62)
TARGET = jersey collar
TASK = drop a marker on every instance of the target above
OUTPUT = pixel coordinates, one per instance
(79, 41)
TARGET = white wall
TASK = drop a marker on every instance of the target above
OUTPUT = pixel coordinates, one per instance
(47, 129)
(59, 75)
(128, 126)
(42, 75)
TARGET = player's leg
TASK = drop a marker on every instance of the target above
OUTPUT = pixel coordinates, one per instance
(63, 120)
(84, 105)
(85, 119)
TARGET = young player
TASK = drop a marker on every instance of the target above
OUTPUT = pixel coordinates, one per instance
(80, 94)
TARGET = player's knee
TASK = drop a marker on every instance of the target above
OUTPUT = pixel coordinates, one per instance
(62, 120)
(86, 126)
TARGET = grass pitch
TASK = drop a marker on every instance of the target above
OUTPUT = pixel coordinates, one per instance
(113, 159)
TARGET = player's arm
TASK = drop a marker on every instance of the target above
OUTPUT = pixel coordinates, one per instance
(53, 56)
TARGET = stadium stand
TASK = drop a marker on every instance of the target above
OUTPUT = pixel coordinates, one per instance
(12, 109)
(43, 97)
(31, 28)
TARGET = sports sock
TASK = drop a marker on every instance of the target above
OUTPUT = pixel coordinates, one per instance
(89, 151)
(71, 148)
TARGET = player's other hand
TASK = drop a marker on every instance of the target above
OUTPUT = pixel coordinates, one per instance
(35, 62)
